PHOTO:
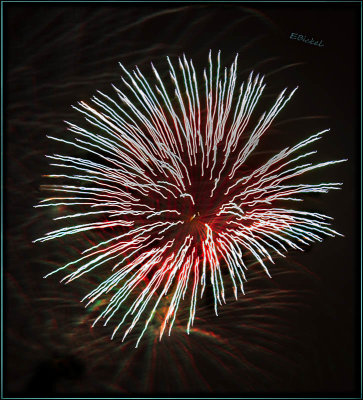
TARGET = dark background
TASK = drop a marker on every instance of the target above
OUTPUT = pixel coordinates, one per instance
(296, 336)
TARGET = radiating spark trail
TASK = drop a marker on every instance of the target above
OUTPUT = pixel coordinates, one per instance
(166, 176)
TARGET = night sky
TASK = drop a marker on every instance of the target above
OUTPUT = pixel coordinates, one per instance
(294, 335)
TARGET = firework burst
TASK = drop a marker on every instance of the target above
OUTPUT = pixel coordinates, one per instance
(166, 172)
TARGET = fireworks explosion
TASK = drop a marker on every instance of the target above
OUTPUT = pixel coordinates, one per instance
(167, 175)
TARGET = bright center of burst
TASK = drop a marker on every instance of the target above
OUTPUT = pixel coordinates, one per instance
(194, 216)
